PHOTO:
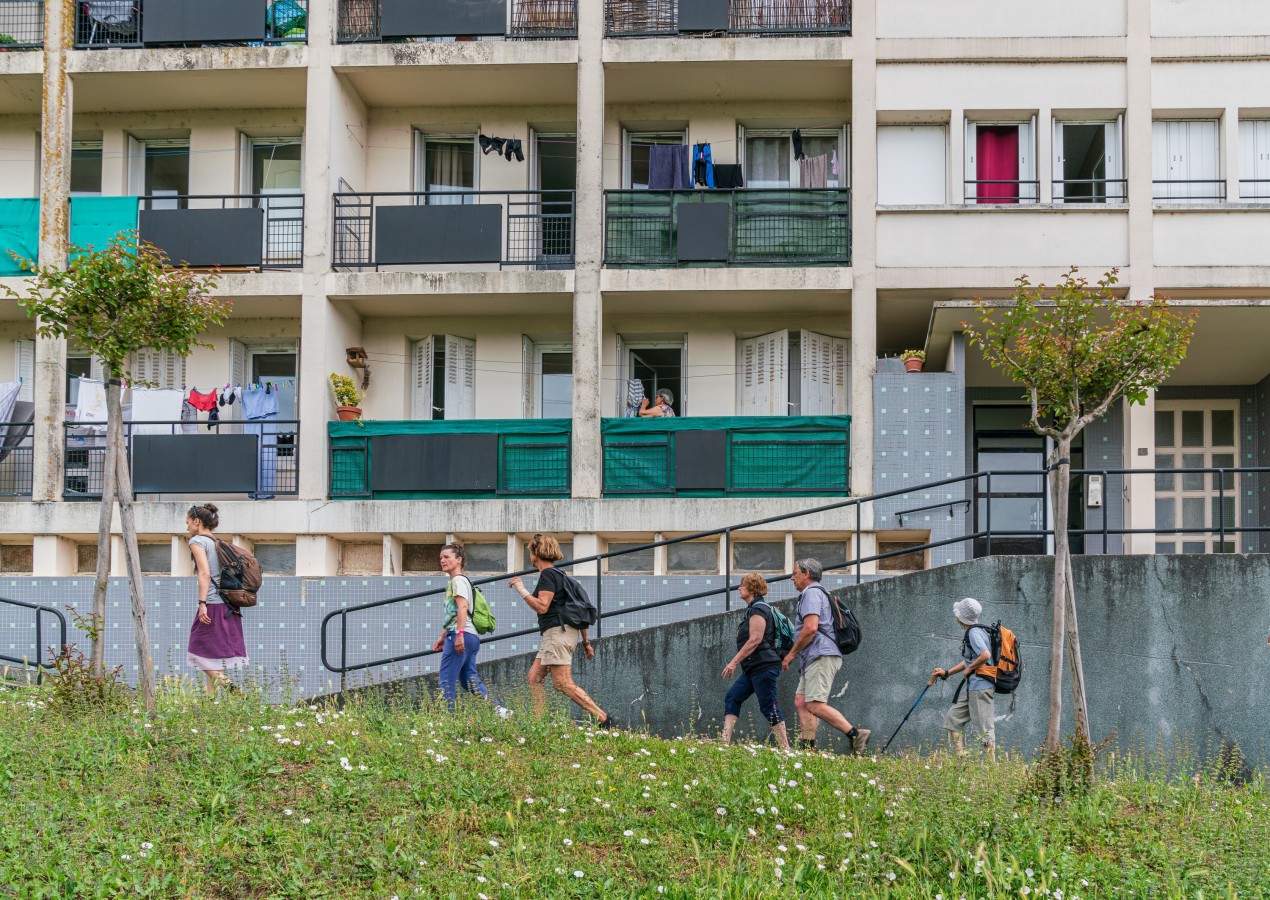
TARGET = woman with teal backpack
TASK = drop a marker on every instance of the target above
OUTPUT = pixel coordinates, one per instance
(460, 642)
(759, 656)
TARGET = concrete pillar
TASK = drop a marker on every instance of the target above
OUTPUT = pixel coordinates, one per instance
(55, 185)
(392, 554)
(316, 555)
(182, 561)
(588, 233)
(118, 561)
(53, 556)
(957, 156)
(586, 545)
(1230, 151)
(1139, 492)
(864, 297)
(1045, 173)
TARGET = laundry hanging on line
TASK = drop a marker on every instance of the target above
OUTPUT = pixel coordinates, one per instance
(702, 166)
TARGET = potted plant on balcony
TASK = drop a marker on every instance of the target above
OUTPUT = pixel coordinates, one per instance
(913, 360)
(346, 398)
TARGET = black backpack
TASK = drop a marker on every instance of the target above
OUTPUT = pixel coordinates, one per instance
(846, 628)
(576, 608)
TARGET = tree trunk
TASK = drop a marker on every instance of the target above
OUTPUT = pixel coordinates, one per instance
(1076, 668)
(97, 659)
(141, 632)
(1060, 479)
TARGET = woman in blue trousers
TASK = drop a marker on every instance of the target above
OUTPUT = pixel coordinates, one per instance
(459, 643)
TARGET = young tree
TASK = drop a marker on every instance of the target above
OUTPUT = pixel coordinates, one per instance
(1077, 350)
(113, 303)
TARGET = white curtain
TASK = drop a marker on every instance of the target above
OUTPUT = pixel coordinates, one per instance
(767, 162)
(449, 170)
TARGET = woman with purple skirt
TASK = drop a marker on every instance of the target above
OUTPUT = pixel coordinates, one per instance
(216, 637)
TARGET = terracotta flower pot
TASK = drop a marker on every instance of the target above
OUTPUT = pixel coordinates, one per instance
(913, 363)
(348, 413)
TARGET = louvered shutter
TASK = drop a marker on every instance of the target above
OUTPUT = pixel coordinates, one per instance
(762, 385)
(24, 354)
(159, 368)
(460, 378)
(825, 374)
(527, 373)
(421, 379)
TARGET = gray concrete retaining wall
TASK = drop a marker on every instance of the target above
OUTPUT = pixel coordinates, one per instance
(1174, 649)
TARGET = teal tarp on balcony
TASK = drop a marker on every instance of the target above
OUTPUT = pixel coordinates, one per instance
(19, 232)
(96, 220)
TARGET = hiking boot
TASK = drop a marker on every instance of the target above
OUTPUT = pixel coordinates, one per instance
(609, 722)
(860, 741)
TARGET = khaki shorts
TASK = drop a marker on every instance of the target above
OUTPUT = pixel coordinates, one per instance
(975, 707)
(557, 645)
(817, 679)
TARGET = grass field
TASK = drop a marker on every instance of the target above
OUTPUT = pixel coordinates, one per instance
(236, 798)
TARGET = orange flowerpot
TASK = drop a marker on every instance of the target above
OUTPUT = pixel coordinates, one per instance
(348, 413)
(912, 364)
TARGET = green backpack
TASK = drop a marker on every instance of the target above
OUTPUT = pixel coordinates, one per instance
(482, 618)
(783, 635)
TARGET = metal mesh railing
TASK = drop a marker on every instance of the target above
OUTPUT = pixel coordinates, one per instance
(537, 228)
(759, 465)
(277, 454)
(121, 23)
(17, 460)
(21, 24)
(766, 227)
(359, 20)
(283, 246)
(648, 18)
(641, 18)
(530, 465)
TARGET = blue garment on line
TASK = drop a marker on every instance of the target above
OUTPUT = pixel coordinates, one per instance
(702, 165)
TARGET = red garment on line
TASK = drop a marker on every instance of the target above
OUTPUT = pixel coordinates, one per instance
(205, 402)
(997, 149)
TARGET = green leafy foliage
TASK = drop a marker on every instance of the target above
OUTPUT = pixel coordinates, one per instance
(1078, 349)
(122, 299)
(345, 390)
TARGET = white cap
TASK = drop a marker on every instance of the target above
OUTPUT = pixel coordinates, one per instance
(967, 611)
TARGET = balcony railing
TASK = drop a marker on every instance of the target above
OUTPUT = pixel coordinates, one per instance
(727, 456)
(651, 18)
(512, 229)
(372, 21)
(258, 458)
(1091, 190)
(17, 462)
(472, 458)
(1001, 190)
(728, 227)
(1189, 190)
(1254, 189)
(157, 23)
(21, 25)
(252, 231)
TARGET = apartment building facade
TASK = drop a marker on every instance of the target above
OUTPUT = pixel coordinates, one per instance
(494, 210)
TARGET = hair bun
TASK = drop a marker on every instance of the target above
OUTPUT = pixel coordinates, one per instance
(210, 507)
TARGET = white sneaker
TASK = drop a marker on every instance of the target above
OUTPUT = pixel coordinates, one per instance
(503, 712)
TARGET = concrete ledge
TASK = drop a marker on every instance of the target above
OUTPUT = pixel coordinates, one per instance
(975, 280)
(830, 48)
(456, 53)
(1244, 46)
(1001, 49)
(22, 62)
(367, 284)
(730, 280)
(185, 59)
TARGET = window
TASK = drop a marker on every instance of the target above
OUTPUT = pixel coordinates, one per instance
(769, 157)
(275, 175)
(17, 558)
(361, 558)
(638, 563)
(906, 562)
(78, 366)
(159, 368)
(275, 559)
(486, 558)
(445, 164)
(692, 557)
(831, 554)
(778, 374)
(1196, 435)
(155, 559)
(1087, 163)
(758, 556)
(1254, 159)
(548, 371)
(421, 558)
(655, 363)
(638, 144)
(160, 169)
(912, 165)
(1185, 166)
(24, 368)
(566, 547)
(85, 168)
(1000, 164)
(443, 381)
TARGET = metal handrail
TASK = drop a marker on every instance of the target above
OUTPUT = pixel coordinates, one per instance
(857, 561)
(23, 25)
(1218, 194)
(39, 663)
(1016, 197)
(1060, 186)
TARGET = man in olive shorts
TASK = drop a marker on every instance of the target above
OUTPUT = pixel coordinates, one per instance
(817, 649)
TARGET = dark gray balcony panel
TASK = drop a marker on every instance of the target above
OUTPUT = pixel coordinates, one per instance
(703, 15)
(701, 460)
(442, 18)
(195, 463)
(434, 462)
(703, 231)
(195, 21)
(439, 234)
(206, 237)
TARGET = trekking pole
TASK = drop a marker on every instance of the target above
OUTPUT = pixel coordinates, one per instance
(905, 719)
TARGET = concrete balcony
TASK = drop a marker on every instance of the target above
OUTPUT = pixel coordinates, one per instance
(393, 21)
(103, 24)
(722, 18)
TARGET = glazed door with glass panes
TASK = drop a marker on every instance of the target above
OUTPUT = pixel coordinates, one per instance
(1192, 507)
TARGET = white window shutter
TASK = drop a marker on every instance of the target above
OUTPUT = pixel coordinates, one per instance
(1058, 170)
(1027, 160)
(237, 363)
(24, 353)
(622, 377)
(912, 164)
(421, 379)
(527, 373)
(96, 368)
(825, 374)
(136, 166)
(762, 387)
(460, 377)
(173, 375)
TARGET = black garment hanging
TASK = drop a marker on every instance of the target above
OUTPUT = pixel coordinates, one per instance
(727, 176)
(491, 143)
(514, 149)
(798, 145)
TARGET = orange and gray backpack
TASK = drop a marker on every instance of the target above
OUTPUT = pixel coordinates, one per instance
(1006, 666)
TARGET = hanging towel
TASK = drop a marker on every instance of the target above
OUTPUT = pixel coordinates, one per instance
(205, 402)
(668, 167)
(156, 405)
(833, 162)
(702, 166)
(811, 172)
(728, 177)
(259, 403)
(798, 145)
(9, 391)
(634, 396)
(189, 418)
(91, 407)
